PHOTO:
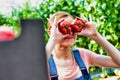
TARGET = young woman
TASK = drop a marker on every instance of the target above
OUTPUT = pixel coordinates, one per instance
(68, 64)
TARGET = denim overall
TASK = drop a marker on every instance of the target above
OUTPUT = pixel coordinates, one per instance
(85, 74)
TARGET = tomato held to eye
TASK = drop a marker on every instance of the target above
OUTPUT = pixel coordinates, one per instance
(78, 25)
(64, 26)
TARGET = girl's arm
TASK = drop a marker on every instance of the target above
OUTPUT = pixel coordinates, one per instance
(55, 37)
(50, 46)
(114, 59)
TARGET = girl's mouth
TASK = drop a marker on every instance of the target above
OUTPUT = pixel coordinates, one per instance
(69, 37)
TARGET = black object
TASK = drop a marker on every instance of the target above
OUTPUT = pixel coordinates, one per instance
(24, 58)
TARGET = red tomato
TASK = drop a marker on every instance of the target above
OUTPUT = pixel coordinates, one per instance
(64, 26)
(78, 25)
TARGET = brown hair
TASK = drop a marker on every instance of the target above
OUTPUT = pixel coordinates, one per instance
(58, 15)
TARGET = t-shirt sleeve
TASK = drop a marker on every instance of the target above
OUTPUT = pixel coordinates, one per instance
(87, 56)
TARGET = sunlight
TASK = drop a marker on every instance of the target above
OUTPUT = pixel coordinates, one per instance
(6, 5)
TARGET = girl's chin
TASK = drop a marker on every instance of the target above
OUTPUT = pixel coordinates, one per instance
(69, 40)
(68, 44)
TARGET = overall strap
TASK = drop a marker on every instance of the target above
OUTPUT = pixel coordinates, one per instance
(81, 64)
(53, 69)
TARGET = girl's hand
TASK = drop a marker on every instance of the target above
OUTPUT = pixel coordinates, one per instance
(54, 32)
(90, 29)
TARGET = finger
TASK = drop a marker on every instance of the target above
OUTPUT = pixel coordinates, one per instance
(84, 33)
(57, 30)
(50, 22)
(83, 17)
(90, 17)
(90, 24)
(73, 22)
(55, 20)
(80, 33)
(54, 24)
(65, 35)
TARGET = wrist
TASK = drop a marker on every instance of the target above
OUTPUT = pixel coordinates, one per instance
(96, 36)
(50, 46)
(53, 40)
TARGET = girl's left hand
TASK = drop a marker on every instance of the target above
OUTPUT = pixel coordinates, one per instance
(90, 28)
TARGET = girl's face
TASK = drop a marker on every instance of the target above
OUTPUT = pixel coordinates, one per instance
(70, 39)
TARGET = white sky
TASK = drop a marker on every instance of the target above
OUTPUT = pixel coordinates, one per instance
(6, 5)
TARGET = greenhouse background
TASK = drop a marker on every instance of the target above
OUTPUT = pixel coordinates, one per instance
(106, 14)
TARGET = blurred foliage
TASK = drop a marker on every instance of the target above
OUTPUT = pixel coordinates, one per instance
(106, 14)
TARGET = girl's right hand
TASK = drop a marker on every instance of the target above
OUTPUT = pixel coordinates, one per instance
(54, 32)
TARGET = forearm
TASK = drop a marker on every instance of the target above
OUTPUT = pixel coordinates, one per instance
(109, 48)
(50, 46)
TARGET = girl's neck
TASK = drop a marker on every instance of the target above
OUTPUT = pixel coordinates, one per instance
(62, 52)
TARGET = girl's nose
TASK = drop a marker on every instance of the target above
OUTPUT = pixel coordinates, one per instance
(71, 33)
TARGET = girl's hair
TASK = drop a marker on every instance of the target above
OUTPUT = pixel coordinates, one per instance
(58, 15)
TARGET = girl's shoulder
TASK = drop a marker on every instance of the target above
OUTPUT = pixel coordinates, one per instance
(87, 56)
(82, 50)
